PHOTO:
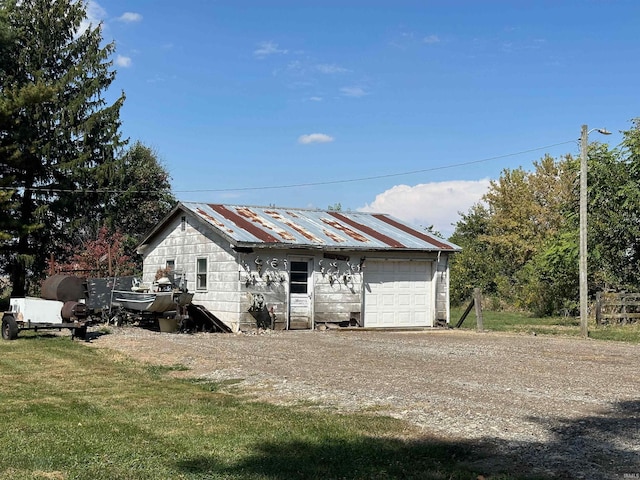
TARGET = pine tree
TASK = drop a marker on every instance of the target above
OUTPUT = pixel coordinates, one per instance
(57, 133)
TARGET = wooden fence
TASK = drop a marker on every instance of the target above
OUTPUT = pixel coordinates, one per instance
(617, 307)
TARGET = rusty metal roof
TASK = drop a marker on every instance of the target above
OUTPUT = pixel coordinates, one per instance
(295, 227)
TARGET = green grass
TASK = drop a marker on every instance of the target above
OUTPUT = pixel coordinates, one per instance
(620, 333)
(69, 411)
(517, 322)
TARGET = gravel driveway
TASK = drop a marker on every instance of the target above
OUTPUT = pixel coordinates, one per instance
(564, 407)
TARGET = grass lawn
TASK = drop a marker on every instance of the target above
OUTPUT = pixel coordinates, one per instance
(69, 411)
(517, 322)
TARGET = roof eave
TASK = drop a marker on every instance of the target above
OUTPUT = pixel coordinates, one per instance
(336, 248)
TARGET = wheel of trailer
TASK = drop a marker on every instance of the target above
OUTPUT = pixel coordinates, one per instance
(9, 328)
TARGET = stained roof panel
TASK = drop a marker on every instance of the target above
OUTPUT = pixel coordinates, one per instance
(315, 228)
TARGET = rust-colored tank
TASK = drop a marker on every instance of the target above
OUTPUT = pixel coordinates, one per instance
(74, 310)
(63, 288)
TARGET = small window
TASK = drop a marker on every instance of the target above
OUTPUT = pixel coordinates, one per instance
(183, 223)
(201, 274)
(299, 277)
(170, 265)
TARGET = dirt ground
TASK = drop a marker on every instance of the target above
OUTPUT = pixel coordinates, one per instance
(563, 407)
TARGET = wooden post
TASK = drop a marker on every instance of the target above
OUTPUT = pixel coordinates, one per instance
(464, 315)
(52, 265)
(477, 300)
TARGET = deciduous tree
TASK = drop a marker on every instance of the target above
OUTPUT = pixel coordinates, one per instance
(504, 236)
(102, 256)
(614, 213)
(522, 244)
(141, 192)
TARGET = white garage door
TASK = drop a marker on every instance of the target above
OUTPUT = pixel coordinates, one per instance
(397, 294)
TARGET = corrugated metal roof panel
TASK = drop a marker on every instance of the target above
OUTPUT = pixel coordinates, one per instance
(314, 228)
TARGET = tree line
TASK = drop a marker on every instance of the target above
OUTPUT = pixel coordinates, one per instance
(67, 177)
(521, 241)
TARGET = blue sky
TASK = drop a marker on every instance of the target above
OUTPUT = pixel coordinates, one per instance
(238, 97)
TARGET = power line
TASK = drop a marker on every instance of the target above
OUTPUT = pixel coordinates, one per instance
(376, 177)
(307, 184)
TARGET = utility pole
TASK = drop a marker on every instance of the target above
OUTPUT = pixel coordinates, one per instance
(584, 289)
(584, 332)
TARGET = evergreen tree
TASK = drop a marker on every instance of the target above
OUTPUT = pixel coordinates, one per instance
(57, 133)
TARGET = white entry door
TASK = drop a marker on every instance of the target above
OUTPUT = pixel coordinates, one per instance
(398, 294)
(300, 292)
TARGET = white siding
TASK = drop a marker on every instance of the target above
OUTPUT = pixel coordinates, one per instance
(338, 297)
(441, 284)
(263, 280)
(185, 246)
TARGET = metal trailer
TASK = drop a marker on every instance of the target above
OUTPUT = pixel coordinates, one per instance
(31, 313)
(71, 302)
(62, 305)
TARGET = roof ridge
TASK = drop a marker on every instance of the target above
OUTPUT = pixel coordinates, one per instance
(276, 207)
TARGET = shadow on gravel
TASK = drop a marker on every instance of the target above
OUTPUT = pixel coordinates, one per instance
(602, 446)
(94, 335)
(596, 447)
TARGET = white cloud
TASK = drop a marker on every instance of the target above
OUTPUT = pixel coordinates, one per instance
(95, 12)
(315, 99)
(431, 39)
(435, 203)
(353, 92)
(123, 61)
(329, 69)
(130, 17)
(268, 48)
(315, 138)
(95, 15)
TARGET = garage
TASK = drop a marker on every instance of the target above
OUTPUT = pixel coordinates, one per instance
(270, 267)
(398, 293)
